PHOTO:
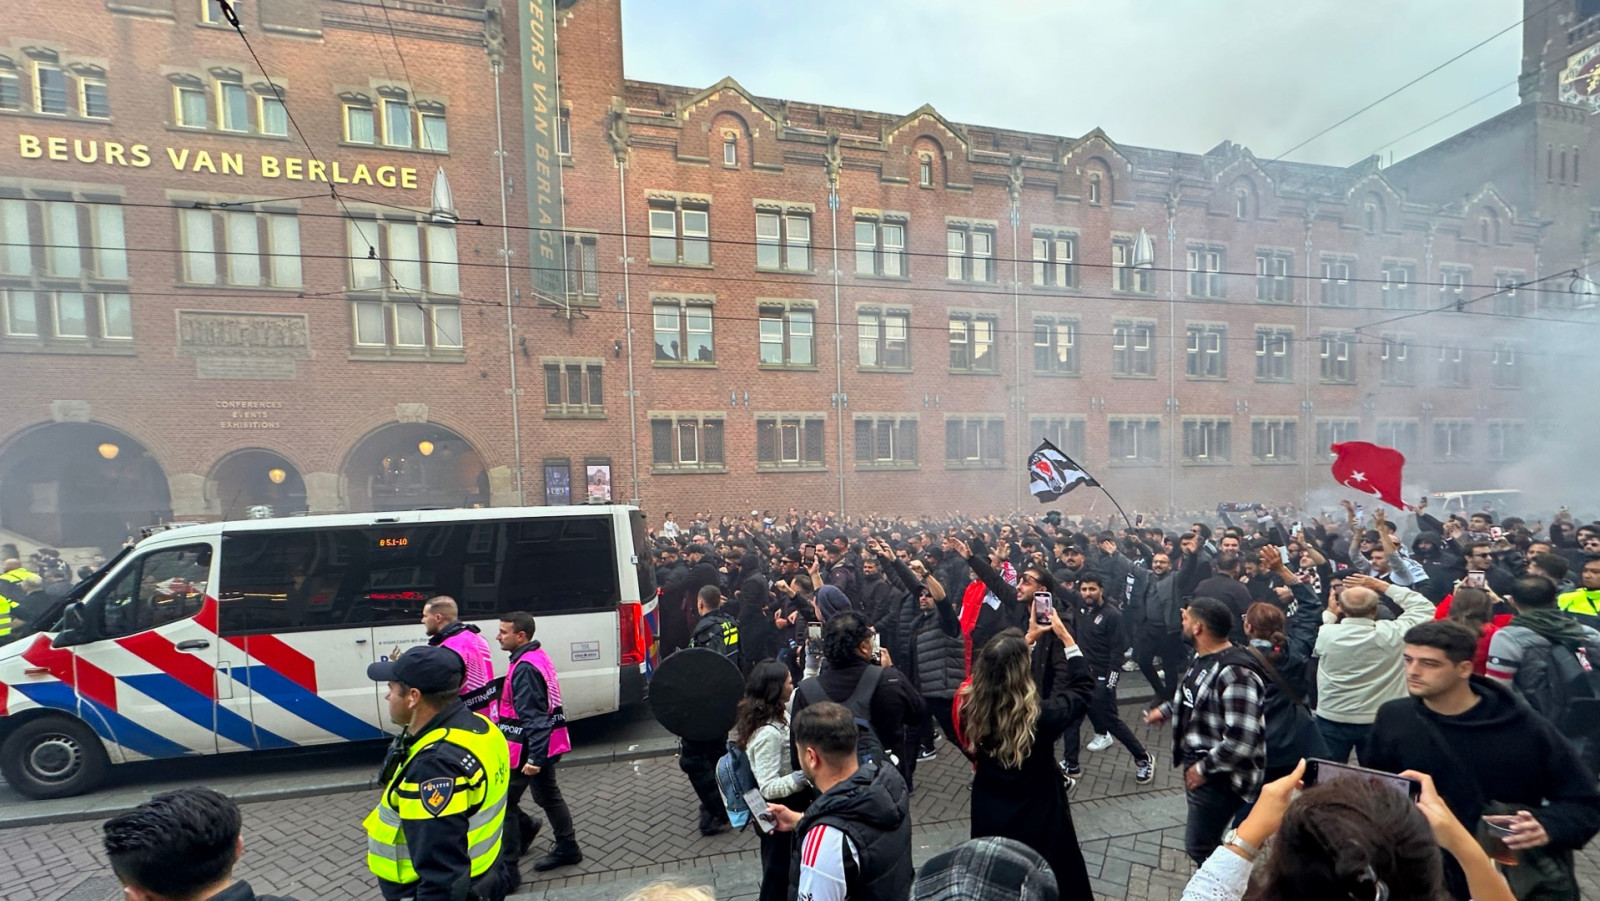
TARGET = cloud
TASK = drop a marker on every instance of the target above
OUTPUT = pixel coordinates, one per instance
(1175, 74)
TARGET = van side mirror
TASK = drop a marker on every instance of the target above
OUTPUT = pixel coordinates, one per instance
(72, 627)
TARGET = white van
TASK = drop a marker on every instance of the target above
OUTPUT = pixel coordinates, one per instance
(1499, 501)
(253, 635)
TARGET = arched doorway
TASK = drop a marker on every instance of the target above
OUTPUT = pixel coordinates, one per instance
(80, 484)
(248, 480)
(410, 465)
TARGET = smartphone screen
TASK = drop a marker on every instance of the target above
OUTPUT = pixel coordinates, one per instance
(765, 821)
(814, 631)
(1327, 771)
(1475, 580)
(1041, 607)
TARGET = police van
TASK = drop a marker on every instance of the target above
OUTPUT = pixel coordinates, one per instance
(237, 636)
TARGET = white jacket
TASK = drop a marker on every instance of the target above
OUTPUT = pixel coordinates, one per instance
(1359, 666)
(768, 751)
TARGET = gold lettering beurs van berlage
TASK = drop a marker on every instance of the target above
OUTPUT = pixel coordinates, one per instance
(220, 162)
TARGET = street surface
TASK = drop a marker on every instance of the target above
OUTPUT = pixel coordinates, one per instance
(636, 820)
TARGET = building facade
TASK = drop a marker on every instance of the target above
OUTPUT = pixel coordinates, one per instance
(315, 287)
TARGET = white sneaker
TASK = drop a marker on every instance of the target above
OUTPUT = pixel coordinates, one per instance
(1100, 742)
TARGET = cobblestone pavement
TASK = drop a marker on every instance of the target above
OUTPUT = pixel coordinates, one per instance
(636, 822)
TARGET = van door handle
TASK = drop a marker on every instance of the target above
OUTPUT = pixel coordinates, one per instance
(193, 644)
(361, 641)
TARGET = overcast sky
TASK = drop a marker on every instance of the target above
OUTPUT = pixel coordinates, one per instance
(1175, 74)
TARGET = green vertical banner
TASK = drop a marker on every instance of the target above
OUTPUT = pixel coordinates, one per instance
(540, 116)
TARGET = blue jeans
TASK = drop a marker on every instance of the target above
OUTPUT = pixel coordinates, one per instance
(1342, 738)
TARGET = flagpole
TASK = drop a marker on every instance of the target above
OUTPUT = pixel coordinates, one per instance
(1125, 518)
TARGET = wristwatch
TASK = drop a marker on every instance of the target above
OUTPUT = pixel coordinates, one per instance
(1231, 839)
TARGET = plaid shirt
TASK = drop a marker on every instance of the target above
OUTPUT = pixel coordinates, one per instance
(1218, 722)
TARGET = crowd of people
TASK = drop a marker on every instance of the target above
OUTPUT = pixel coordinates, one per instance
(1458, 652)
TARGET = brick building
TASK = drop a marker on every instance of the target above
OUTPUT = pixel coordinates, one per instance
(769, 303)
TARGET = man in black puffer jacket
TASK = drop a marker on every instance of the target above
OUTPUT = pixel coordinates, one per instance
(857, 835)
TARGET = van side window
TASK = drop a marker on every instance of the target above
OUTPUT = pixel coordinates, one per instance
(297, 580)
(159, 588)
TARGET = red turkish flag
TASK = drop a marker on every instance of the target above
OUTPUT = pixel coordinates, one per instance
(1370, 468)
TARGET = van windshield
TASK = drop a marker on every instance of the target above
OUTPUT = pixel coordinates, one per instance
(48, 617)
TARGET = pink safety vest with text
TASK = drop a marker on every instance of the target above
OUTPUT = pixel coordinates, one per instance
(505, 713)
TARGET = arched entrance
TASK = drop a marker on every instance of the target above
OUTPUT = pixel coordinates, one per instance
(248, 480)
(410, 465)
(80, 484)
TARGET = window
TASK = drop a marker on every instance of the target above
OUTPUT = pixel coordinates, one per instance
(1453, 282)
(789, 441)
(94, 101)
(1336, 431)
(1207, 440)
(1205, 272)
(189, 105)
(1273, 269)
(683, 330)
(886, 442)
(1508, 441)
(1065, 432)
(211, 12)
(1273, 363)
(405, 264)
(271, 116)
(1132, 348)
(432, 129)
(71, 240)
(1507, 300)
(76, 316)
(573, 388)
(883, 338)
(1135, 440)
(159, 588)
(974, 442)
(1272, 440)
(233, 106)
(396, 122)
(246, 249)
(969, 253)
(730, 151)
(1055, 257)
(680, 234)
(1453, 369)
(1400, 434)
(564, 132)
(1399, 287)
(1338, 357)
(360, 126)
(783, 241)
(49, 88)
(1337, 288)
(1207, 351)
(686, 442)
(1503, 369)
(583, 280)
(10, 86)
(925, 170)
(1452, 441)
(1093, 188)
(1124, 276)
(880, 248)
(1397, 359)
(1055, 346)
(788, 335)
(972, 342)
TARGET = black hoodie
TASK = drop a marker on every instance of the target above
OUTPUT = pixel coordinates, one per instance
(873, 809)
(1510, 754)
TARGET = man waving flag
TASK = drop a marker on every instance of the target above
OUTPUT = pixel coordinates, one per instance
(1052, 473)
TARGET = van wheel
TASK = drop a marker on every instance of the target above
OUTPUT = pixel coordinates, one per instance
(53, 757)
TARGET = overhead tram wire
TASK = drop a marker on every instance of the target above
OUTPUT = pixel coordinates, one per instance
(1474, 47)
(1421, 128)
(730, 242)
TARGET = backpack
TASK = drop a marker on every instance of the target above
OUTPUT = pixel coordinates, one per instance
(734, 778)
(1563, 685)
(720, 634)
(868, 746)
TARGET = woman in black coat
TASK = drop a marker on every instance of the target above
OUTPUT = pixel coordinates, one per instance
(1017, 790)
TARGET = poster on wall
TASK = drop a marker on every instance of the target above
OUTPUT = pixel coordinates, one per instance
(599, 479)
(557, 483)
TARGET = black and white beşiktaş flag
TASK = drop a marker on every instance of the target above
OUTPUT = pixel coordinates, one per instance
(1052, 473)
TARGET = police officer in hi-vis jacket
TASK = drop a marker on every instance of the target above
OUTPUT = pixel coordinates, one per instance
(436, 832)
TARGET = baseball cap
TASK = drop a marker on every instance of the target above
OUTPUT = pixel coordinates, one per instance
(426, 668)
(793, 556)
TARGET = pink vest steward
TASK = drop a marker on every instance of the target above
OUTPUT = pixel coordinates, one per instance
(506, 712)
